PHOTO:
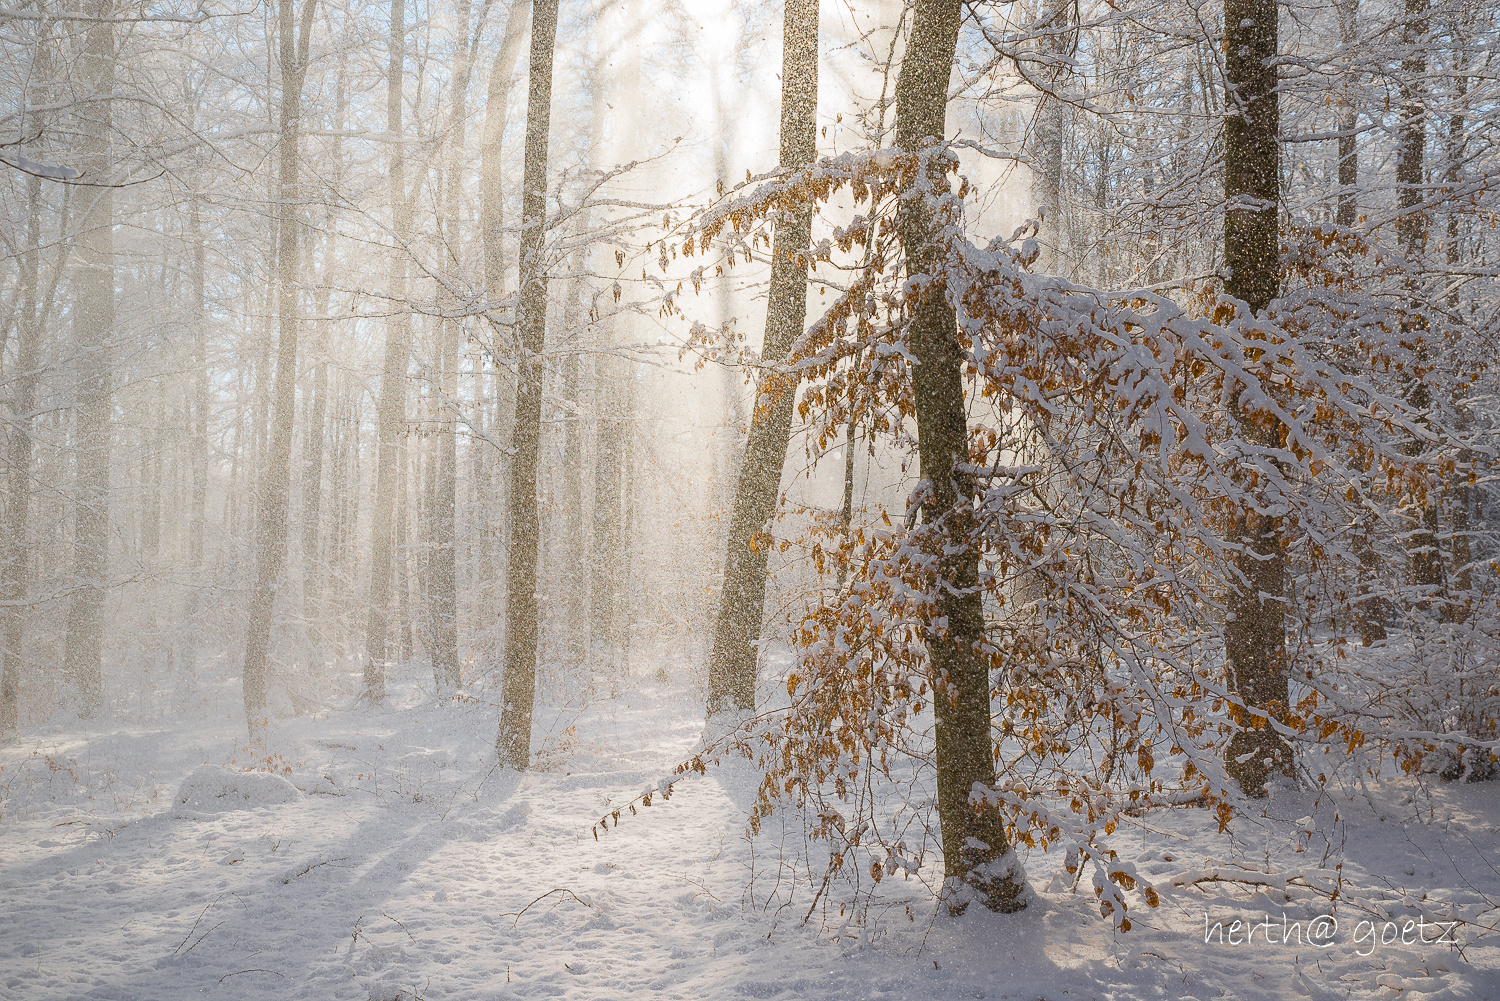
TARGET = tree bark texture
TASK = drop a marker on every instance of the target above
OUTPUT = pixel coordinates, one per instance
(1411, 229)
(519, 685)
(1255, 630)
(1348, 166)
(977, 859)
(732, 660)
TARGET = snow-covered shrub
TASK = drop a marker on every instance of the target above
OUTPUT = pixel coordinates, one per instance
(1115, 440)
(213, 789)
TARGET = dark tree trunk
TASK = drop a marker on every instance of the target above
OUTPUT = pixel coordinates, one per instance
(732, 661)
(1463, 493)
(1255, 630)
(977, 859)
(1369, 607)
(1411, 229)
(513, 742)
(1348, 209)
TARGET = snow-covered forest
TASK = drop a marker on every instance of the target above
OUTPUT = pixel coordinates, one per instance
(750, 498)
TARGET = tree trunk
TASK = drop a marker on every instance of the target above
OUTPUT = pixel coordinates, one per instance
(314, 438)
(491, 465)
(1051, 122)
(572, 630)
(1255, 631)
(613, 398)
(17, 549)
(514, 739)
(392, 406)
(1463, 493)
(732, 660)
(272, 511)
(93, 325)
(443, 557)
(1369, 606)
(977, 858)
(401, 550)
(611, 461)
(1348, 209)
(492, 167)
(198, 438)
(1411, 230)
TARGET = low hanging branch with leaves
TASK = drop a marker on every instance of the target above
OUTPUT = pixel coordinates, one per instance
(1106, 462)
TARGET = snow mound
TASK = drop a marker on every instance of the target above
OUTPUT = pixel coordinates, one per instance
(212, 789)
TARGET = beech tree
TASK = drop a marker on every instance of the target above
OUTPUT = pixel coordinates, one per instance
(272, 512)
(732, 662)
(977, 857)
(384, 529)
(519, 694)
(1254, 632)
(94, 333)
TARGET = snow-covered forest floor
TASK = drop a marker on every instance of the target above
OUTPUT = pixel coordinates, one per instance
(394, 860)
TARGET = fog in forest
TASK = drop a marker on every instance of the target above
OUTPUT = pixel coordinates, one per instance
(1034, 454)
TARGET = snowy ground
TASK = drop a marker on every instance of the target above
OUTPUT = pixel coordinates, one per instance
(395, 861)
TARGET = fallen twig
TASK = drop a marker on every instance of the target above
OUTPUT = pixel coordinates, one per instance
(316, 865)
(541, 898)
(403, 927)
(205, 910)
(238, 972)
